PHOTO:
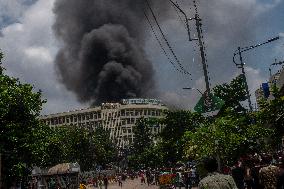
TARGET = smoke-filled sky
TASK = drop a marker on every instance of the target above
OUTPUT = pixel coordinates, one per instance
(82, 54)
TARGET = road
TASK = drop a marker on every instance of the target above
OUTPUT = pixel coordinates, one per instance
(132, 184)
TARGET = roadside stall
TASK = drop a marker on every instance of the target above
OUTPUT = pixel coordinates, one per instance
(65, 176)
(167, 180)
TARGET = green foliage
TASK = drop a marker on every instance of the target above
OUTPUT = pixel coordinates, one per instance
(142, 143)
(232, 94)
(227, 137)
(87, 147)
(143, 136)
(20, 129)
(176, 123)
(271, 115)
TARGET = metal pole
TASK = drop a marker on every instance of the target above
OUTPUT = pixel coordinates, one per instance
(245, 79)
(201, 46)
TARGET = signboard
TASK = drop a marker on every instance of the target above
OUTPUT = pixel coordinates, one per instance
(141, 101)
(208, 103)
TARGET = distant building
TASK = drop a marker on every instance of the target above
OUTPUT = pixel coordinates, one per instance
(264, 92)
(280, 82)
(118, 118)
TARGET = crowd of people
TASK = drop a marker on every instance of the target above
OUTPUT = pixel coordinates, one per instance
(252, 172)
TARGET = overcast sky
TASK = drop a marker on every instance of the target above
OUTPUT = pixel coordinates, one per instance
(29, 45)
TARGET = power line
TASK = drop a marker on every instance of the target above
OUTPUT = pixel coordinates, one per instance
(160, 43)
(166, 40)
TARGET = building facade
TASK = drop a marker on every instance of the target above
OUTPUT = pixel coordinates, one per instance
(266, 92)
(118, 118)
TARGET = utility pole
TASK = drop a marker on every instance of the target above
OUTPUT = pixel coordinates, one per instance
(201, 47)
(245, 78)
(239, 52)
(208, 101)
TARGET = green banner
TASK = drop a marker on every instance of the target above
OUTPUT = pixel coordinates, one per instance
(208, 103)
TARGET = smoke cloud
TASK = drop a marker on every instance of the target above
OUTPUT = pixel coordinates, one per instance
(101, 56)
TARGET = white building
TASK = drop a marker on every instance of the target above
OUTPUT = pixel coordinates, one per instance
(118, 118)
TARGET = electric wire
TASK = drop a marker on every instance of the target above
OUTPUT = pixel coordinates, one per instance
(166, 40)
(160, 43)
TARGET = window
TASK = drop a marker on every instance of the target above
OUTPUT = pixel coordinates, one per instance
(91, 116)
(123, 121)
(122, 112)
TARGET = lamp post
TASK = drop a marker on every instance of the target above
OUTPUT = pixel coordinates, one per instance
(191, 88)
(240, 65)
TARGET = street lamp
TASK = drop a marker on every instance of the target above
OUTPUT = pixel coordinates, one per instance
(190, 88)
(239, 52)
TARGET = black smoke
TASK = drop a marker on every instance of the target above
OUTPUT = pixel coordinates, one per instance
(101, 56)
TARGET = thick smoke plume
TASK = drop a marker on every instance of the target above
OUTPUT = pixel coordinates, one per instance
(102, 58)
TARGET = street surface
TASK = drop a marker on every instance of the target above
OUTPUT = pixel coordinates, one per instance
(132, 184)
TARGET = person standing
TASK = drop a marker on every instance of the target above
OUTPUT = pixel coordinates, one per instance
(187, 180)
(280, 183)
(238, 173)
(215, 180)
(268, 175)
(100, 183)
(105, 181)
(120, 181)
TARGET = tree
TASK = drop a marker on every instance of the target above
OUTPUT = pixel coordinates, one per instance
(176, 123)
(141, 144)
(227, 138)
(232, 94)
(20, 130)
(78, 144)
(271, 115)
(143, 136)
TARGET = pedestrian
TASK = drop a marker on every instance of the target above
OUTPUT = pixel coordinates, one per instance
(119, 180)
(105, 181)
(215, 180)
(187, 180)
(143, 178)
(280, 183)
(268, 175)
(248, 178)
(238, 173)
(100, 183)
(82, 185)
(156, 177)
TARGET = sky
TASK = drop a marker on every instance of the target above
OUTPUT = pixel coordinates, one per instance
(30, 47)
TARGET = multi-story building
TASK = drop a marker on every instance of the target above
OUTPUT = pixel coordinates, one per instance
(280, 82)
(118, 118)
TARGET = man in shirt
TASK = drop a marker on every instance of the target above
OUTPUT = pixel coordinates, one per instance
(215, 180)
(268, 175)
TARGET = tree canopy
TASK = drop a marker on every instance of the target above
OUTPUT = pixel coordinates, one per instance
(20, 130)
